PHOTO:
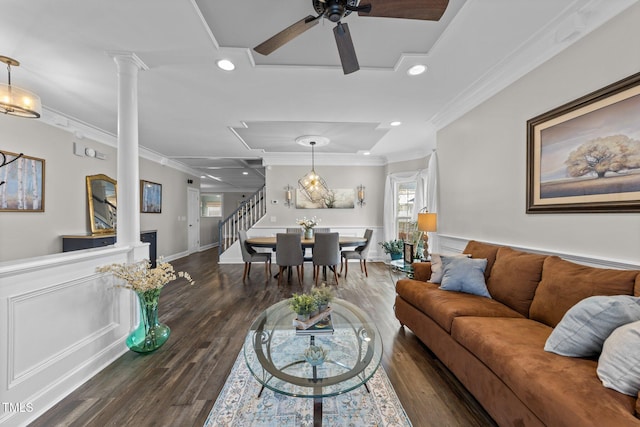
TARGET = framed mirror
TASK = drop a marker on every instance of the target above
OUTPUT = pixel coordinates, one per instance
(101, 194)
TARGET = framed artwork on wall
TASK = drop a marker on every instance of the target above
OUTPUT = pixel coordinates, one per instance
(337, 198)
(22, 178)
(150, 197)
(585, 156)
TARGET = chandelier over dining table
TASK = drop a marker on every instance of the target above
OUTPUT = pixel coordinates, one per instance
(313, 185)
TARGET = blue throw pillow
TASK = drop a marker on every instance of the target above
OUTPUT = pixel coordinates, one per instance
(584, 328)
(464, 275)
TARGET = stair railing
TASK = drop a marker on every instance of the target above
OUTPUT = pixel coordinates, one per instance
(244, 217)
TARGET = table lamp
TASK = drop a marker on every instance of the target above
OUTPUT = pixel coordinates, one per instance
(427, 222)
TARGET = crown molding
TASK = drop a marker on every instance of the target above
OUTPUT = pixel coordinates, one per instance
(577, 20)
(84, 130)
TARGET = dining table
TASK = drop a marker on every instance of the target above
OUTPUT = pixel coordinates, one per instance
(270, 241)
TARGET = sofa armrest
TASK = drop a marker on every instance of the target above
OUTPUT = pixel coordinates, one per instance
(422, 271)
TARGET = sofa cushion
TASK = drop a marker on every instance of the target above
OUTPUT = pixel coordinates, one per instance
(421, 270)
(584, 328)
(514, 278)
(561, 391)
(444, 306)
(482, 250)
(464, 275)
(565, 283)
(619, 363)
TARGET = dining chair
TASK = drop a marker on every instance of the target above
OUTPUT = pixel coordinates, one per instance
(289, 254)
(321, 230)
(295, 230)
(326, 253)
(250, 255)
(359, 253)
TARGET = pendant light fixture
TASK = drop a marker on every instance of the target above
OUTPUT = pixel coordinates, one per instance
(312, 185)
(16, 101)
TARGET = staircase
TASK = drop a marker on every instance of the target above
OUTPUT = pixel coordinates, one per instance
(243, 218)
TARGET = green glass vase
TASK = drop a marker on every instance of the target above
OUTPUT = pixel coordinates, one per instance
(150, 334)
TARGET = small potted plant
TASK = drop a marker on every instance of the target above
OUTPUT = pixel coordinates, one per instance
(323, 296)
(393, 248)
(303, 305)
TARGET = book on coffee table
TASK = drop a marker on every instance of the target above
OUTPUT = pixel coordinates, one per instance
(319, 324)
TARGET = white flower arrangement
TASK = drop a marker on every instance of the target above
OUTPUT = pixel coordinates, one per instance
(308, 224)
(140, 277)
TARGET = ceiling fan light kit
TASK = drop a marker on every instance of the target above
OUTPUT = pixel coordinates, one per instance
(336, 10)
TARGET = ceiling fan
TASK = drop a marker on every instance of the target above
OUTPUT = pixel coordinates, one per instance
(335, 10)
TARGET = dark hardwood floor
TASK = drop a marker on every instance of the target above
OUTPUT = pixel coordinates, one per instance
(178, 384)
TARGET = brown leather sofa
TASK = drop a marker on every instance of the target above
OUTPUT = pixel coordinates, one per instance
(495, 346)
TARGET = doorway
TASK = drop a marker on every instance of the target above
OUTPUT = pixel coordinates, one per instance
(193, 220)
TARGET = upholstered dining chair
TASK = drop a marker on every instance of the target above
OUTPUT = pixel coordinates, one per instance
(250, 255)
(359, 253)
(295, 230)
(321, 230)
(326, 253)
(289, 254)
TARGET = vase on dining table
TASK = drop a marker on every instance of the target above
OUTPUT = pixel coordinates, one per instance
(308, 233)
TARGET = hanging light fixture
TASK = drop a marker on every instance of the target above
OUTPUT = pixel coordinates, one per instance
(16, 101)
(312, 185)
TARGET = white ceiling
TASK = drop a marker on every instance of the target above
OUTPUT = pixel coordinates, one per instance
(218, 124)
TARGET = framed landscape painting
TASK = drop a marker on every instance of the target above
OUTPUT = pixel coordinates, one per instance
(338, 198)
(150, 197)
(585, 155)
(22, 178)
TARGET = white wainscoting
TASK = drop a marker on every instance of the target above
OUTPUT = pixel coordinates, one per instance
(233, 255)
(60, 324)
(455, 244)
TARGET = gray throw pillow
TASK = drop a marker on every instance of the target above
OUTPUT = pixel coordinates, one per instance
(585, 326)
(437, 270)
(619, 363)
(466, 275)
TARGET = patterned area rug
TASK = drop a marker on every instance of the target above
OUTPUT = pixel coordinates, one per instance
(238, 405)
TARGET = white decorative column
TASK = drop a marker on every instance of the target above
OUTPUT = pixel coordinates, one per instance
(128, 195)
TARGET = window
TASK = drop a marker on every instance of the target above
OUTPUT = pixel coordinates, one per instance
(211, 205)
(406, 192)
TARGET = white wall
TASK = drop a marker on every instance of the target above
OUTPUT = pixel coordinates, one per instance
(32, 234)
(482, 156)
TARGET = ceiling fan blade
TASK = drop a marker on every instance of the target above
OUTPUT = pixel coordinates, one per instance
(345, 48)
(428, 10)
(286, 35)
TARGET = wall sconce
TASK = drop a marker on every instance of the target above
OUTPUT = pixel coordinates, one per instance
(361, 195)
(288, 195)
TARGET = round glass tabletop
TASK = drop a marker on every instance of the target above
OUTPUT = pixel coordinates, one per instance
(275, 351)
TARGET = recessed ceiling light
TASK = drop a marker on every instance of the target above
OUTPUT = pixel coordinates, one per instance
(245, 173)
(396, 123)
(202, 176)
(366, 153)
(226, 65)
(417, 70)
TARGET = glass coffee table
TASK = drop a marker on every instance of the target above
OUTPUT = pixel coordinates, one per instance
(275, 353)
